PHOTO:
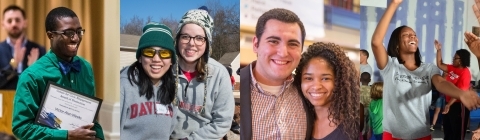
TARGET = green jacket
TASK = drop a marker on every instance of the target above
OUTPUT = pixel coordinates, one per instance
(31, 88)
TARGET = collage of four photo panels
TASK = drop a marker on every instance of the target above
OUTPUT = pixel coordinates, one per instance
(239, 69)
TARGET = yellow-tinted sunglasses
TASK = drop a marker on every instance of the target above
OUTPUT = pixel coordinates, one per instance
(164, 54)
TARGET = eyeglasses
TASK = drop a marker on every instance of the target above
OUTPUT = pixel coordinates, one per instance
(163, 54)
(71, 33)
(198, 40)
(454, 58)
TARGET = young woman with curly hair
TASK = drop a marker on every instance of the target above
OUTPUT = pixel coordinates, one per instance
(327, 79)
(408, 82)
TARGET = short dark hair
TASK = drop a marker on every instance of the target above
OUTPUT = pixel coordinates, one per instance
(394, 42)
(55, 14)
(365, 52)
(282, 15)
(365, 76)
(464, 57)
(15, 8)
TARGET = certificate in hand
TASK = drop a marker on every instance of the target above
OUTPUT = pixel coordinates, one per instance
(66, 109)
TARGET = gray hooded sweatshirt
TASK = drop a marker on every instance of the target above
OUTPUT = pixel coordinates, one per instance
(217, 117)
(139, 119)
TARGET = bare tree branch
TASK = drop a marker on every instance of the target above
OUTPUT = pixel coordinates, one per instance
(225, 34)
(171, 23)
(149, 19)
(134, 27)
(226, 31)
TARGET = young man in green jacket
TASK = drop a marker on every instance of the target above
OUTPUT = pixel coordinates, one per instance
(62, 66)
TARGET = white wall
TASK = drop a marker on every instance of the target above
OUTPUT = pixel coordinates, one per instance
(235, 65)
(127, 58)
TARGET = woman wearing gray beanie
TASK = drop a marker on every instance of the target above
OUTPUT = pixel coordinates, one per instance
(205, 99)
(148, 87)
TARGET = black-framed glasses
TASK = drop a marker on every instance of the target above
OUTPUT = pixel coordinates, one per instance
(163, 54)
(71, 33)
(198, 40)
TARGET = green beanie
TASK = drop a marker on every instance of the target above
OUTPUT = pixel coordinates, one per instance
(156, 34)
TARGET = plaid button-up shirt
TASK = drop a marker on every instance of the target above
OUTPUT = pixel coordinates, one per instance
(277, 116)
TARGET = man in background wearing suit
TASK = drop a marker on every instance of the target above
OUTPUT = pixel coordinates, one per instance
(16, 52)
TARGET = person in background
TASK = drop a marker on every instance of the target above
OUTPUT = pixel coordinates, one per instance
(456, 115)
(232, 79)
(439, 105)
(365, 100)
(17, 53)
(376, 110)
(364, 66)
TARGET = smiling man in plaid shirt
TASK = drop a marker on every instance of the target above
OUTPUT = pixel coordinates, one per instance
(271, 106)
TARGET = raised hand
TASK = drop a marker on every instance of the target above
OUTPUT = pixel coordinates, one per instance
(397, 1)
(438, 46)
(33, 56)
(378, 48)
(476, 10)
(446, 109)
(473, 43)
(19, 52)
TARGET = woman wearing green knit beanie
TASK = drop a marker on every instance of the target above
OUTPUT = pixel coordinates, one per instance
(148, 87)
(205, 99)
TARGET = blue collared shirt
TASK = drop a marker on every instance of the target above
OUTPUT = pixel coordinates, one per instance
(9, 42)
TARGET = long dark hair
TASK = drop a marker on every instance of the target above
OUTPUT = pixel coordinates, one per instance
(165, 94)
(394, 43)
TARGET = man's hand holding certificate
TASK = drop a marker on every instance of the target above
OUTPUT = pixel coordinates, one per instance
(66, 109)
(82, 132)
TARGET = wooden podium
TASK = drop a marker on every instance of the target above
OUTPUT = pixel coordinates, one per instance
(7, 111)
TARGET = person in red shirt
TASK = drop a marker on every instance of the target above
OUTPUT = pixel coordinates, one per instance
(456, 115)
(232, 79)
